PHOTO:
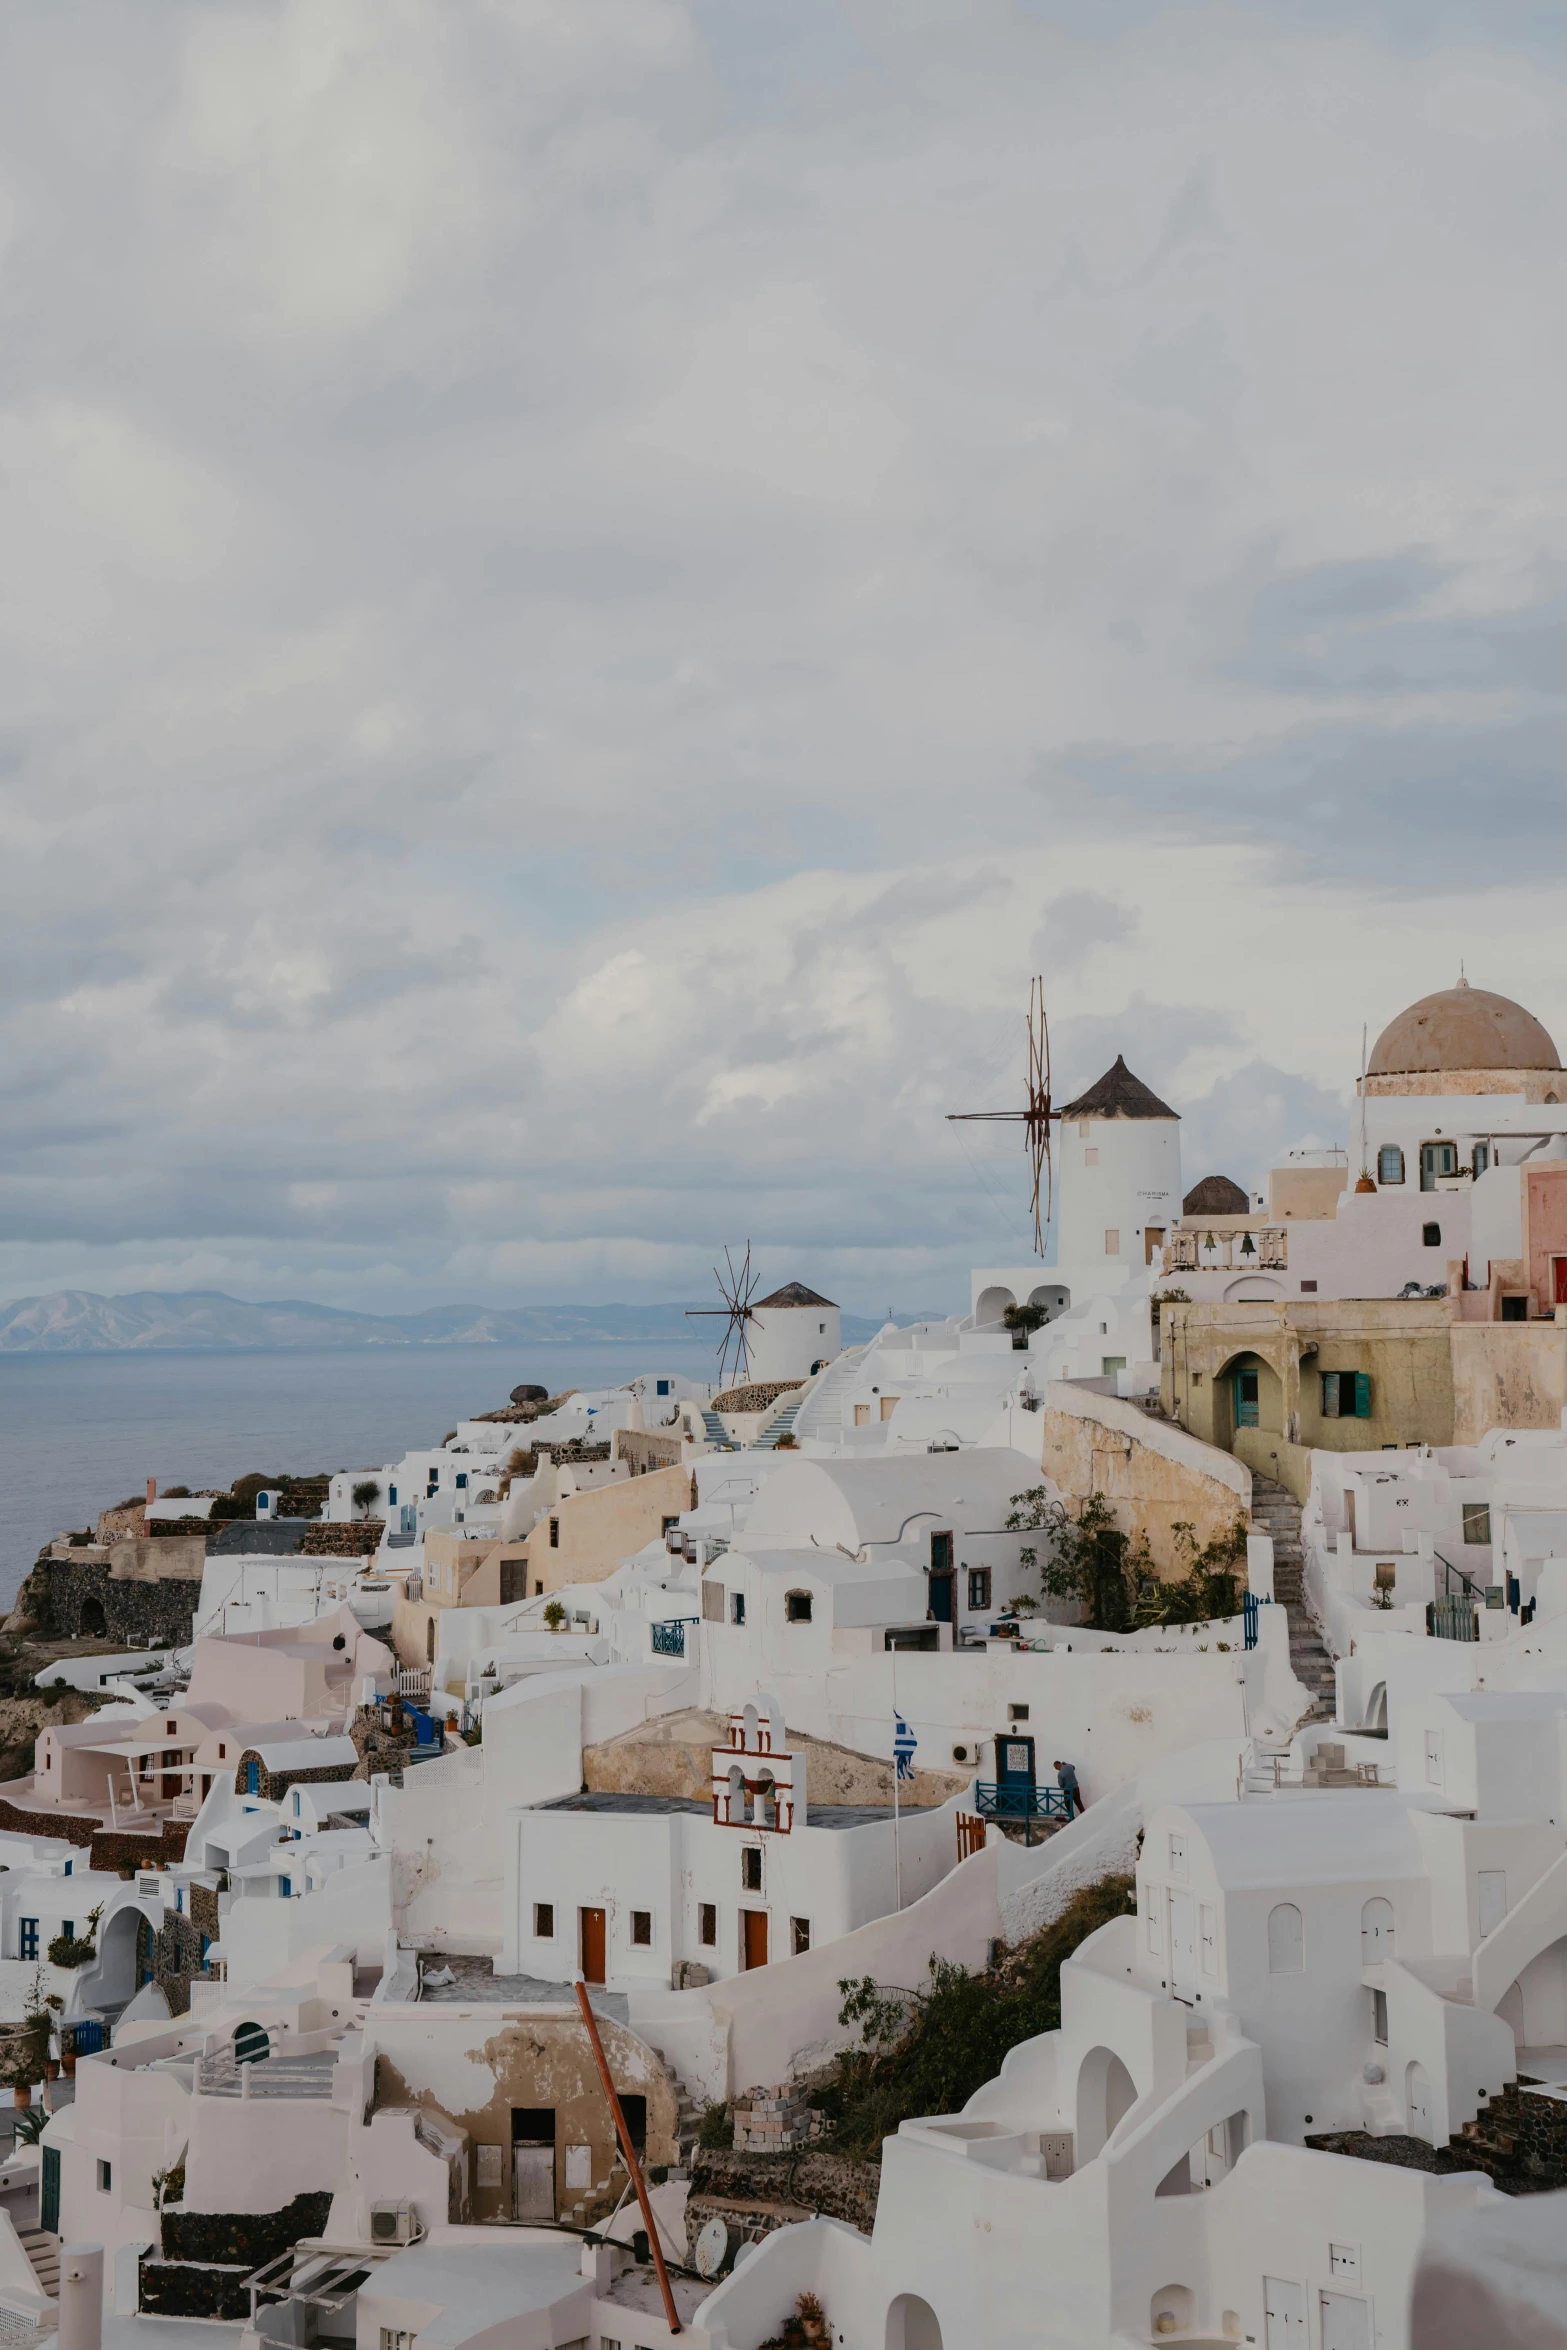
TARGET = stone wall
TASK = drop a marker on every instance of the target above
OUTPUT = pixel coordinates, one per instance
(673, 1755)
(1154, 1476)
(276, 1784)
(74, 1598)
(756, 2193)
(207, 2256)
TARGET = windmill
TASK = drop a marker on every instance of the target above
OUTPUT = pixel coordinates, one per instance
(737, 1291)
(1035, 1117)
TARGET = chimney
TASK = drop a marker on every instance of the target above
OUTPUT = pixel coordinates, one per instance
(152, 1491)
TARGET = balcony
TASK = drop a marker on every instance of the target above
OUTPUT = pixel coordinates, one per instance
(1247, 1249)
(669, 1639)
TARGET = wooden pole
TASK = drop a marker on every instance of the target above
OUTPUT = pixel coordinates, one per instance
(630, 2153)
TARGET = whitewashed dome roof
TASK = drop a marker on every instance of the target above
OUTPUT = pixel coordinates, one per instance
(1462, 1027)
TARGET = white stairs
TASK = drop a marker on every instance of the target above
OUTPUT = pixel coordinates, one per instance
(821, 1414)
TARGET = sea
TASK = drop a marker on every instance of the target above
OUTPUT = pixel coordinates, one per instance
(80, 1432)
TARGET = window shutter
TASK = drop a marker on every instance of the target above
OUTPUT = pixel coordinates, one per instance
(1330, 1395)
(1362, 1395)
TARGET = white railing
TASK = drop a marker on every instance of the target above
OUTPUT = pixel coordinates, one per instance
(413, 1681)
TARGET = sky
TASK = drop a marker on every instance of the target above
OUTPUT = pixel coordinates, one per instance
(590, 587)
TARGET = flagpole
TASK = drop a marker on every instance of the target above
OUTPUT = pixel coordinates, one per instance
(897, 1773)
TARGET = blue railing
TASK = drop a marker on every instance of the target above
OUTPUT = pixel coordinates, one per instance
(1018, 1801)
(670, 1639)
(1249, 1617)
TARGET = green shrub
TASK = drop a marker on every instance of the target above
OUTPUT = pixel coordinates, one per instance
(716, 2128)
(927, 2049)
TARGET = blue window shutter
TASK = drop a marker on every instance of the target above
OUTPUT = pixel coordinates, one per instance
(1362, 1395)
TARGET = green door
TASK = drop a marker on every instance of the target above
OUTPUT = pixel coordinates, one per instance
(49, 2192)
(1246, 1399)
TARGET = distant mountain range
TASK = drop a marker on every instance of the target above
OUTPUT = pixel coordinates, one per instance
(79, 1321)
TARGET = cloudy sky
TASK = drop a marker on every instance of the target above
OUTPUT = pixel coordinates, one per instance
(590, 586)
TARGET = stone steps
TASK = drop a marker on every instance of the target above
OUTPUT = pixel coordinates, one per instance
(43, 2253)
(1276, 1513)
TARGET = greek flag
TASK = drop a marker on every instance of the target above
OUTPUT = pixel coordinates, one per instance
(903, 1745)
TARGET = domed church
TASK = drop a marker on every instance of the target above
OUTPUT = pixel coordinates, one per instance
(1462, 1040)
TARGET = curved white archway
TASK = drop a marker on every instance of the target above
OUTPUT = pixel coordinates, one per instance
(912, 2324)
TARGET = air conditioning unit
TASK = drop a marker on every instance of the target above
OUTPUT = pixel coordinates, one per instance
(393, 2223)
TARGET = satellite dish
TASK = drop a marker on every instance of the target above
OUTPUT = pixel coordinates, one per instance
(712, 2248)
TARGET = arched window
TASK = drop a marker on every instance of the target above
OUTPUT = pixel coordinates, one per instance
(1286, 1940)
(797, 1607)
(1390, 1164)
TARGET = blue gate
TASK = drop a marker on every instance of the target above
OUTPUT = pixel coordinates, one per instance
(1249, 1617)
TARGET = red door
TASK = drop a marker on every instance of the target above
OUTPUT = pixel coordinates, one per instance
(1559, 1268)
(592, 1937)
(755, 1925)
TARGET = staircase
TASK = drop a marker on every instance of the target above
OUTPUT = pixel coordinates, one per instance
(781, 1424)
(820, 1411)
(1276, 1513)
(716, 1432)
(43, 2252)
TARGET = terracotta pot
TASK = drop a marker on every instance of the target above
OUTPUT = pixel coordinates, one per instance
(21, 2098)
(68, 2064)
(51, 2068)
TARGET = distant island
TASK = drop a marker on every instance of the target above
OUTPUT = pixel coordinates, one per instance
(79, 1321)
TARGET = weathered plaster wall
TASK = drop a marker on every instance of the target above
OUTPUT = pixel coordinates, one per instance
(1507, 1375)
(1545, 1222)
(474, 2068)
(1155, 1477)
(599, 1528)
(1404, 1345)
(673, 1756)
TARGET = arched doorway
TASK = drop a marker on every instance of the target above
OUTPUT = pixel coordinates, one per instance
(1376, 1708)
(114, 1982)
(1052, 1298)
(1376, 1931)
(252, 2045)
(1105, 2091)
(912, 2324)
(993, 1303)
(1247, 1393)
(1417, 2096)
(92, 1624)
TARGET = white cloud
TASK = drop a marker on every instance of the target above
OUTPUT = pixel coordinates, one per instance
(587, 590)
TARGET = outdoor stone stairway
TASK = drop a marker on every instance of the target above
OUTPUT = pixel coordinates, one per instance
(1199, 2048)
(821, 1409)
(43, 2252)
(1276, 1513)
(717, 1433)
(1519, 2140)
(781, 1424)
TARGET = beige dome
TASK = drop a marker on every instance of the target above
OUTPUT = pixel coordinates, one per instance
(1462, 1027)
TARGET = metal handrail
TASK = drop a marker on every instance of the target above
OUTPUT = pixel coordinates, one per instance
(999, 1800)
(1475, 1590)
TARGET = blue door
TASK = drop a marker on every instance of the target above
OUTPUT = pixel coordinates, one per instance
(1246, 1399)
(252, 1776)
(1014, 1761)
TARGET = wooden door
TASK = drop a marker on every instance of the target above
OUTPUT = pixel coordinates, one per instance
(591, 1939)
(1247, 1399)
(1559, 1281)
(754, 1926)
(1346, 2322)
(941, 1607)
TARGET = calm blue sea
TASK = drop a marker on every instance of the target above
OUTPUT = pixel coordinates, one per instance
(80, 1432)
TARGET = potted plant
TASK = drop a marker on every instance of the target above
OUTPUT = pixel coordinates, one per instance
(812, 2319)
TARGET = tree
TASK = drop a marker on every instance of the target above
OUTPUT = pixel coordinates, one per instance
(366, 1493)
(555, 1616)
(1111, 1574)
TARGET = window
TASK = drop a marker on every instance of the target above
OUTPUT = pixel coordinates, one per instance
(1390, 1164)
(1431, 1235)
(707, 1924)
(1307, 1286)
(27, 1937)
(544, 1920)
(1177, 1856)
(285, 1888)
(1482, 1157)
(662, 1387)
(1286, 1940)
(800, 1936)
(642, 1929)
(1515, 1309)
(737, 1607)
(462, 1476)
(751, 1869)
(1112, 1241)
(68, 1926)
(105, 2177)
(941, 1554)
(396, 2338)
(797, 1607)
(1346, 1395)
(1017, 1713)
(1379, 2018)
(712, 1603)
(554, 1533)
(1091, 1156)
(979, 1587)
(1477, 1521)
(391, 1495)
(223, 1754)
